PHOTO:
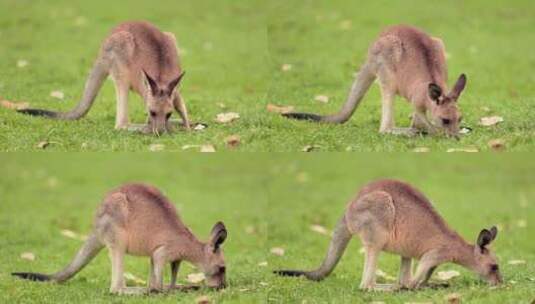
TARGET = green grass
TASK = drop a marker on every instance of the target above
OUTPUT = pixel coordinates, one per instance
(279, 196)
(233, 55)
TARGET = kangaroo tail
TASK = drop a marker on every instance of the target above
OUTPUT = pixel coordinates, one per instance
(339, 241)
(360, 86)
(88, 251)
(92, 86)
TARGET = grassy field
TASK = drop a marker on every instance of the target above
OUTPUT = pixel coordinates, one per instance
(470, 192)
(233, 53)
(266, 201)
(44, 194)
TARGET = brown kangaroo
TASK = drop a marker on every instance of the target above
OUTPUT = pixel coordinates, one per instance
(393, 216)
(139, 57)
(412, 64)
(138, 219)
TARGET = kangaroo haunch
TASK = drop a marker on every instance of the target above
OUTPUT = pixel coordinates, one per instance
(393, 216)
(139, 57)
(138, 219)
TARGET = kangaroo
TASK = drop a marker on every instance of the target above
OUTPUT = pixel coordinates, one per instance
(392, 216)
(138, 219)
(139, 57)
(412, 64)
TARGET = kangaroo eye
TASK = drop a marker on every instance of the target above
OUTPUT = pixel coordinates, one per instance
(446, 121)
(494, 267)
(152, 114)
(222, 269)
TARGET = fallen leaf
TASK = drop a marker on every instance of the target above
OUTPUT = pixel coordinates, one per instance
(207, 148)
(73, 235)
(264, 284)
(286, 67)
(227, 117)
(27, 256)
(516, 262)
(384, 275)
(279, 109)
(453, 298)
(133, 280)
(199, 127)
(319, 229)
(263, 264)
(187, 147)
(322, 98)
(233, 141)
(42, 144)
(57, 94)
(310, 148)
(497, 144)
(203, 300)
(14, 105)
(421, 149)
(465, 130)
(490, 120)
(468, 149)
(21, 63)
(447, 275)
(195, 277)
(156, 147)
(277, 251)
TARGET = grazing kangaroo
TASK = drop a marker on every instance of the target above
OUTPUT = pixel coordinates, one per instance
(412, 64)
(393, 216)
(139, 57)
(139, 220)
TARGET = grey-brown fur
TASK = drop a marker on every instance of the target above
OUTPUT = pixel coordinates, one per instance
(138, 219)
(409, 63)
(138, 57)
(392, 216)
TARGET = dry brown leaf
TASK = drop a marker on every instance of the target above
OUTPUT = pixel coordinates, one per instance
(227, 117)
(57, 94)
(233, 141)
(156, 147)
(319, 229)
(286, 67)
(27, 256)
(421, 149)
(447, 275)
(277, 251)
(516, 262)
(14, 105)
(453, 298)
(490, 120)
(42, 144)
(497, 144)
(195, 277)
(322, 98)
(467, 149)
(203, 300)
(279, 109)
(133, 280)
(207, 148)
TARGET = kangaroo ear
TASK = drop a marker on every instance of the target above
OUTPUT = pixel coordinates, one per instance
(150, 83)
(435, 92)
(173, 84)
(484, 238)
(218, 235)
(494, 232)
(459, 87)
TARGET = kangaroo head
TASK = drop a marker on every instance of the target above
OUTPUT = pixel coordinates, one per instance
(213, 262)
(445, 112)
(159, 101)
(486, 264)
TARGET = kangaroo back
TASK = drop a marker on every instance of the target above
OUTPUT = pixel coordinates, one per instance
(340, 239)
(360, 86)
(88, 251)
